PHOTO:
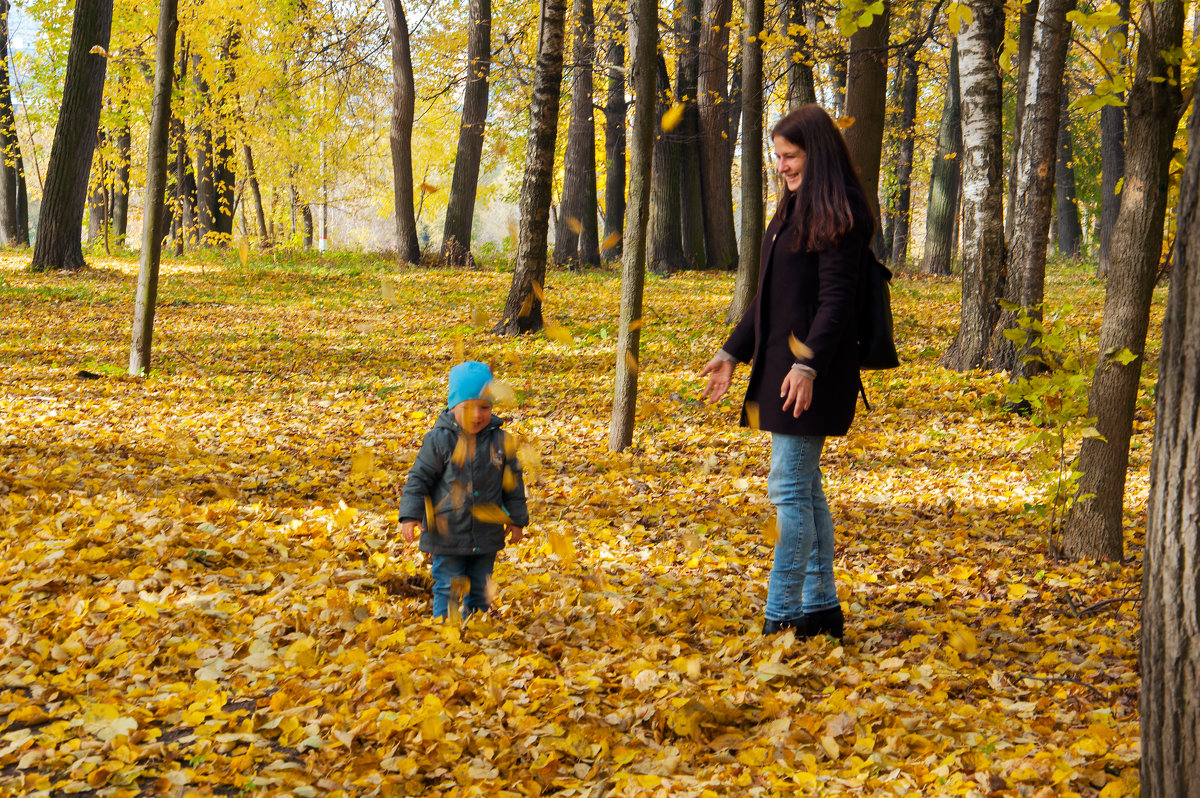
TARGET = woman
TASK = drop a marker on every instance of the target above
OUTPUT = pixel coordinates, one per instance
(799, 334)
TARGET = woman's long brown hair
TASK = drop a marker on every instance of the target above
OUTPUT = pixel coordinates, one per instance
(824, 212)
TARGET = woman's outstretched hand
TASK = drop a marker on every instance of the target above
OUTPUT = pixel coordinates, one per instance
(720, 374)
(796, 392)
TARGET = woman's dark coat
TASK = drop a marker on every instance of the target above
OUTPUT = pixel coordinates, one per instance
(812, 296)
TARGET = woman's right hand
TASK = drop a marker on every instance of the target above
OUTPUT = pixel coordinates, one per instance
(720, 375)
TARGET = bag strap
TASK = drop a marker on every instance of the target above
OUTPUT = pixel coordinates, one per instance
(863, 391)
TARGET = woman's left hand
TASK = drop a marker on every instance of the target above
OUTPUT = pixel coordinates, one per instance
(796, 392)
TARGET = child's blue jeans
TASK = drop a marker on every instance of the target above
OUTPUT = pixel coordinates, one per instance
(448, 567)
(802, 575)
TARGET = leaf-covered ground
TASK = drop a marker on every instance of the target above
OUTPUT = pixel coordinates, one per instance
(203, 590)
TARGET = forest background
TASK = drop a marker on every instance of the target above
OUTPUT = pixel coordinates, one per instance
(1053, 122)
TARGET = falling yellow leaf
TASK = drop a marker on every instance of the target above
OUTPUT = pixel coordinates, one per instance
(562, 546)
(799, 349)
(526, 307)
(362, 461)
(771, 530)
(389, 289)
(490, 514)
(98, 50)
(672, 117)
(244, 251)
(558, 333)
(610, 241)
(479, 317)
(636, 324)
(428, 188)
(752, 415)
(500, 392)
(537, 290)
(575, 225)
(963, 641)
(844, 122)
(631, 362)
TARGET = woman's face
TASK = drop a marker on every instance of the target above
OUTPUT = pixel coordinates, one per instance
(789, 162)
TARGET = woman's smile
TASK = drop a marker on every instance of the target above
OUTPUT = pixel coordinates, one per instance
(790, 161)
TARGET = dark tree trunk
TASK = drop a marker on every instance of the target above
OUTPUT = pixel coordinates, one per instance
(9, 146)
(60, 220)
(576, 240)
(224, 188)
(1026, 277)
(687, 38)
(22, 204)
(801, 88)
(120, 187)
(752, 163)
(903, 200)
(97, 205)
(523, 310)
(735, 102)
(460, 207)
(614, 137)
(156, 185)
(408, 248)
(982, 185)
(306, 220)
(839, 66)
(1029, 13)
(185, 207)
(1112, 164)
(260, 217)
(866, 104)
(1170, 651)
(1093, 526)
(664, 250)
(720, 241)
(1070, 233)
(945, 181)
(633, 262)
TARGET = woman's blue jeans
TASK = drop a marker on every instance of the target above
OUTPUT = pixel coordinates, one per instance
(802, 574)
(448, 567)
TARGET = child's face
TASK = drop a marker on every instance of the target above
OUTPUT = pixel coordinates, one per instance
(473, 415)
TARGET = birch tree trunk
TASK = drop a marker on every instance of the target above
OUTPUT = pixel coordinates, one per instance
(983, 253)
(633, 262)
(1028, 20)
(720, 241)
(156, 185)
(1026, 273)
(460, 206)
(614, 137)
(576, 240)
(1170, 651)
(753, 212)
(408, 248)
(523, 309)
(1093, 525)
(60, 220)
(945, 180)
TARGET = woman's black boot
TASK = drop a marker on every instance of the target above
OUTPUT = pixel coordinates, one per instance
(800, 624)
(825, 622)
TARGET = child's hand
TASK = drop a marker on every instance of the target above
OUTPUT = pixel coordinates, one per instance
(515, 533)
(408, 530)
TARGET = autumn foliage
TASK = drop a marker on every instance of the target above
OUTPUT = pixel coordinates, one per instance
(204, 590)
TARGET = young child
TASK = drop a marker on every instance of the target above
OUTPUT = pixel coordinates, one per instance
(465, 491)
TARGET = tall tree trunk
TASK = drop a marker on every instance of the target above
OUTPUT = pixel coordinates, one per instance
(224, 188)
(306, 220)
(1026, 275)
(687, 71)
(1170, 652)
(185, 207)
(614, 136)
(22, 204)
(1093, 526)
(735, 103)
(260, 217)
(633, 261)
(9, 145)
(403, 107)
(801, 88)
(982, 185)
(460, 207)
(156, 184)
(1028, 21)
(523, 309)
(866, 104)
(720, 241)
(664, 233)
(752, 163)
(576, 240)
(1070, 233)
(838, 67)
(120, 186)
(945, 181)
(60, 220)
(903, 201)
(1112, 161)
(97, 205)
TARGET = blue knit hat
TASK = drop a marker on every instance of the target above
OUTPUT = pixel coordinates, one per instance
(468, 380)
